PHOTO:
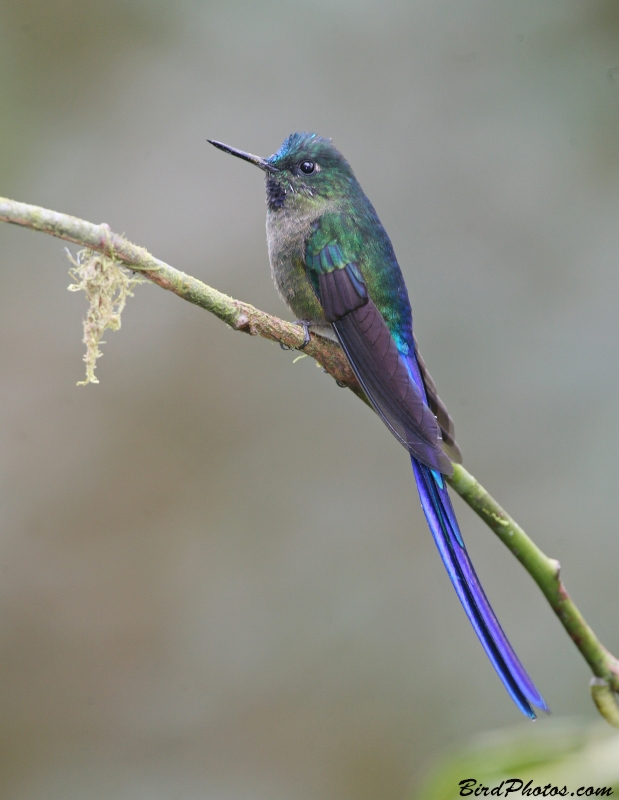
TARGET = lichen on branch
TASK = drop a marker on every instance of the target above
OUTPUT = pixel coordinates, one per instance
(107, 285)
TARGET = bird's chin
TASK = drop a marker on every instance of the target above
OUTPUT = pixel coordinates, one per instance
(276, 194)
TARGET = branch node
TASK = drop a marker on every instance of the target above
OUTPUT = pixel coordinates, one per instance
(242, 323)
(605, 700)
(555, 566)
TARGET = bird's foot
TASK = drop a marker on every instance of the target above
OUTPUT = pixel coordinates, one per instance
(306, 326)
(306, 338)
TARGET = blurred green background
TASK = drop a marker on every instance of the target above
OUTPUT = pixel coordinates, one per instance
(215, 580)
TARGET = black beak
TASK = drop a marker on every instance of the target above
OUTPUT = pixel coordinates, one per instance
(259, 162)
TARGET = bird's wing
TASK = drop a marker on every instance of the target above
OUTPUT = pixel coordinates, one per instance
(371, 350)
(439, 409)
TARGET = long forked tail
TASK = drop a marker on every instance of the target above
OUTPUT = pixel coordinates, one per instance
(444, 527)
(398, 386)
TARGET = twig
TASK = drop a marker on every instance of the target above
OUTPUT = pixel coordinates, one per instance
(244, 317)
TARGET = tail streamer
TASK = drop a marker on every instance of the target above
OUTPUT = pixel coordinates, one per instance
(446, 532)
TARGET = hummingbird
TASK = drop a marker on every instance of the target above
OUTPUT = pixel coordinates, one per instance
(334, 266)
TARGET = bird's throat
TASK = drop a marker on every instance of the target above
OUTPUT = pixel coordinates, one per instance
(276, 194)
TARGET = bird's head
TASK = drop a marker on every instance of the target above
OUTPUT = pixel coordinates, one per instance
(307, 170)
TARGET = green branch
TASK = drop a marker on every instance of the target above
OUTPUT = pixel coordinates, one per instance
(546, 573)
(244, 317)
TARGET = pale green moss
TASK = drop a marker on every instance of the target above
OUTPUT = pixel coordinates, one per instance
(107, 285)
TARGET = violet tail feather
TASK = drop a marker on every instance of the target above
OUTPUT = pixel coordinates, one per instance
(444, 527)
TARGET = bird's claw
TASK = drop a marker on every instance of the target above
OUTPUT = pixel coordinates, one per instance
(306, 338)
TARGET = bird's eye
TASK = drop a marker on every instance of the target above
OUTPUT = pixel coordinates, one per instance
(307, 167)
